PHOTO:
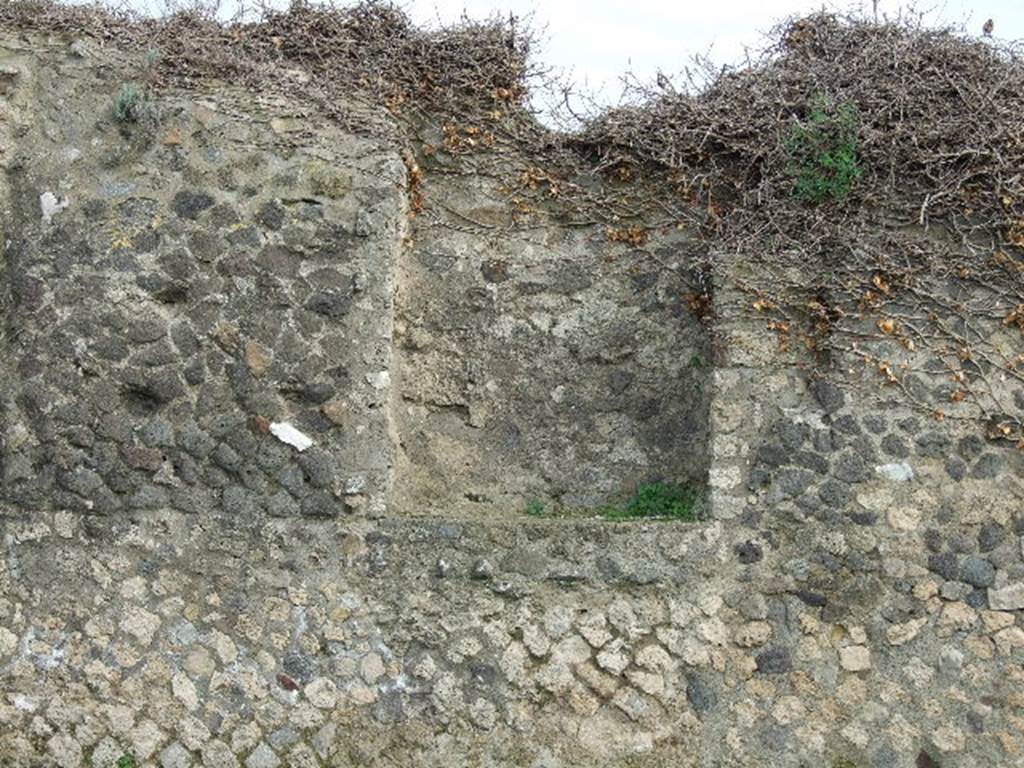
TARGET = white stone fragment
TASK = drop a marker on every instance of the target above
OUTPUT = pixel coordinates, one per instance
(900, 473)
(51, 205)
(288, 434)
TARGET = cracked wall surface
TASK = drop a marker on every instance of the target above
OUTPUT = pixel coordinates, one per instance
(181, 587)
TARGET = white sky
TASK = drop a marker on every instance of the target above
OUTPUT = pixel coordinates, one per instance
(595, 42)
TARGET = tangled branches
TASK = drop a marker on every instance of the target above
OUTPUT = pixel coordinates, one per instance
(940, 121)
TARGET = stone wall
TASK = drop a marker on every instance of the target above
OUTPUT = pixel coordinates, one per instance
(174, 289)
(179, 586)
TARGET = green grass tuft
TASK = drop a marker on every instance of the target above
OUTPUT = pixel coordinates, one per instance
(536, 509)
(129, 105)
(659, 500)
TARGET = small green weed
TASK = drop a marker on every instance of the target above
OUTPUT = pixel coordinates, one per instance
(659, 500)
(130, 103)
(536, 509)
(126, 761)
(823, 152)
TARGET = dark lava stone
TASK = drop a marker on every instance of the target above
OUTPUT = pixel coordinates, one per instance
(793, 482)
(157, 432)
(956, 468)
(895, 446)
(991, 536)
(271, 215)
(863, 518)
(619, 381)
(852, 468)
(978, 599)
(932, 444)
(847, 424)
(809, 504)
(828, 395)
(329, 304)
(227, 457)
(189, 205)
(494, 271)
(811, 461)
(774, 661)
(749, 552)
(149, 496)
(933, 540)
(758, 478)
(792, 434)
(281, 504)
(909, 424)
(238, 501)
(772, 455)
(970, 446)
(822, 441)
(700, 693)
(885, 757)
(961, 543)
(988, 466)
(298, 666)
(976, 721)
(813, 599)
(320, 504)
(835, 493)
(862, 444)
(874, 422)
(945, 565)
(977, 571)
(319, 467)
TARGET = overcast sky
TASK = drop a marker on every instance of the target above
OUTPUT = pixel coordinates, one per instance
(599, 40)
(596, 41)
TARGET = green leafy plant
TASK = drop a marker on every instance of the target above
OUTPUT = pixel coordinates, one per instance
(659, 500)
(130, 102)
(824, 152)
(126, 761)
(536, 509)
